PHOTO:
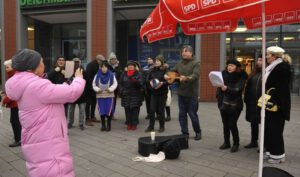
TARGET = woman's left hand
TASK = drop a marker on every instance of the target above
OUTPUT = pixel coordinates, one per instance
(224, 88)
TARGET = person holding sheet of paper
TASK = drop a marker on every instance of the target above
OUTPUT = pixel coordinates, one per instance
(230, 102)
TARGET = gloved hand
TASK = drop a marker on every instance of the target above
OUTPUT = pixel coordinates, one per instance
(269, 105)
(63, 72)
(57, 69)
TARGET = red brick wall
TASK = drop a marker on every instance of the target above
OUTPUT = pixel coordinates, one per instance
(10, 28)
(99, 32)
(210, 61)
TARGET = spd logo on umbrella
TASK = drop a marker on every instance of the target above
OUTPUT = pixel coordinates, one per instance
(210, 3)
(189, 6)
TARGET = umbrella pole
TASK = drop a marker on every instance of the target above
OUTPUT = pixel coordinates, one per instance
(262, 127)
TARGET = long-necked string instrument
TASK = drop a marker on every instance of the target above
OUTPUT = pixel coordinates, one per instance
(173, 76)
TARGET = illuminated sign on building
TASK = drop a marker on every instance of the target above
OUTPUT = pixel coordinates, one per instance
(38, 3)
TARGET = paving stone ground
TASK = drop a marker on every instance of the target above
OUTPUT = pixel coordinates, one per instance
(110, 154)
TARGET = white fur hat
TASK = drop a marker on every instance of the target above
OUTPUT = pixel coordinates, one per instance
(112, 55)
(7, 62)
(275, 50)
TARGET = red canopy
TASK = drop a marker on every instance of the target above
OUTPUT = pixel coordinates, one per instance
(213, 16)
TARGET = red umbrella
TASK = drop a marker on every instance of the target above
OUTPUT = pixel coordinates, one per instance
(159, 25)
(212, 16)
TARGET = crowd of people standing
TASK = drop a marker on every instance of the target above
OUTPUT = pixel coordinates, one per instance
(104, 80)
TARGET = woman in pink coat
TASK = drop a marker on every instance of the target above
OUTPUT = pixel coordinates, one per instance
(44, 141)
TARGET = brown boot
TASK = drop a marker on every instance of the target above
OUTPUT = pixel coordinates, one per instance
(94, 119)
(88, 122)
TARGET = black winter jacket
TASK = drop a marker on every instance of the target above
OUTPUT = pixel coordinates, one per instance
(56, 77)
(252, 94)
(91, 70)
(235, 83)
(280, 78)
(158, 73)
(131, 90)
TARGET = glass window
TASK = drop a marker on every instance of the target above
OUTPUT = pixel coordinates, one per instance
(170, 48)
(74, 30)
(291, 28)
(271, 29)
(295, 67)
(253, 39)
(30, 40)
(290, 39)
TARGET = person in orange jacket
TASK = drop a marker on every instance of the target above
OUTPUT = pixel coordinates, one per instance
(14, 111)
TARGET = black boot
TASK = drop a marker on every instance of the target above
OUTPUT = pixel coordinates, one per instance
(161, 125)
(234, 148)
(252, 144)
(108, 124)
(225, 146)
(103, 127)
(168, 118)
(198, 136)
(150, 128)
(15, 144)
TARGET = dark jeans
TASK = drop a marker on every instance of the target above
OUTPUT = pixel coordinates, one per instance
(90, 104)
(15, 124)
(274, 127)
(132, 115)
(188, 105)
(229, 120)
(157, 105)
(147, 101)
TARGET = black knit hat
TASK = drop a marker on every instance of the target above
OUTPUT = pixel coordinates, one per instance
(26, 59)
(131, 62)
(234, 62)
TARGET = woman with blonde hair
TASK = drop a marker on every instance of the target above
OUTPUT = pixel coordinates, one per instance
(278, 78)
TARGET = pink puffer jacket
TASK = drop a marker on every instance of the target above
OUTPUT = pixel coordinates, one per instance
(45, 143)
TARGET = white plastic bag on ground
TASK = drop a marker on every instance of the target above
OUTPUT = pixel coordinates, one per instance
(151, 158)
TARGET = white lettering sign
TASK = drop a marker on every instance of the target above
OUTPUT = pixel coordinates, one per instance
(189, 8)
(210, 3)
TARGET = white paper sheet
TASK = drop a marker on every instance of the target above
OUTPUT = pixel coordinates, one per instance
(216, 78)
(69, 68)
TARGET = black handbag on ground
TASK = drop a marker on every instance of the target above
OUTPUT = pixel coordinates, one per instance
(146, 146)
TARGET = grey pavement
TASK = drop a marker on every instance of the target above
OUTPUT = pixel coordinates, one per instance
(110, 154)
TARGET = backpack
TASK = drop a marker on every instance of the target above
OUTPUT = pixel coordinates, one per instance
(171, 149)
